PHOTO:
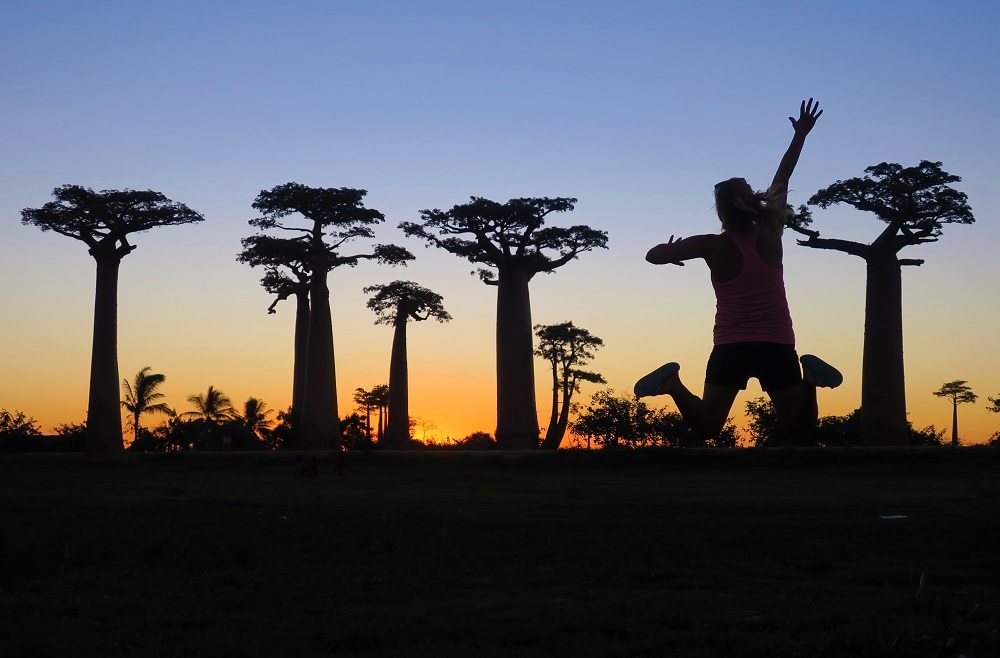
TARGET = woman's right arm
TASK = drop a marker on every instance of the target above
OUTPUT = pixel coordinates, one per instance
(674, 252)
(808, 113)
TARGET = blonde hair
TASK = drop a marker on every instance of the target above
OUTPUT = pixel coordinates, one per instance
(740, 208)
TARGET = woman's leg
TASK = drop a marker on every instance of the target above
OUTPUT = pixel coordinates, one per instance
(706, 415)
(796, 412)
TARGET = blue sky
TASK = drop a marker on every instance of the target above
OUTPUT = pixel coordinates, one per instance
(635, 108)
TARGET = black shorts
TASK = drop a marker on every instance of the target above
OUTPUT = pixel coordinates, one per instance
(775, 365)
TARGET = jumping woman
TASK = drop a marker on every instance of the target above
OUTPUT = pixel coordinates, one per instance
(753, 328)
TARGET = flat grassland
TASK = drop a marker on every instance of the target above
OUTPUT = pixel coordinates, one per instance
(686, 553)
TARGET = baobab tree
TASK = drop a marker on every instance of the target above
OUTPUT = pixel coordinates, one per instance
(958, 392)
(396, 304)
(512, 242)
(141, 397)
(103, 221)
(287, 270)
(566, 347)
(334, 218)
(914, 203)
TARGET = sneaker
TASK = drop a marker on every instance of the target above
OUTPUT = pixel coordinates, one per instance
(823, 374)
(650, 384)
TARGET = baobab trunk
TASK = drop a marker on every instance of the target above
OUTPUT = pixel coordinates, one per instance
(883, 393)
(517, 420)
(550, 442)
(104, 418)
(397, 431)
(299, 360)
(954, 423)
(320, 426)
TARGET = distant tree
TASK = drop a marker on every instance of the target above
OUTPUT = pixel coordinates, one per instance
(334, 217)
(914, 203)
(476, 441)
(762, 422)
(141, 397)
(103, 221)
(612, 420)
(214, 407)
(255, 417)
(958, 392)
(72, 437)
(395, 304)
(996, 405)
(363, 399)
(380, 402)
(17, 430)
(287, 270)
(425, 425)
(354, 435)
(567, 348)
(512, 239)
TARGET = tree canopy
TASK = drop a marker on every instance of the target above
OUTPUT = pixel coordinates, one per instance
(405, 300)
(957, 391)
(914, 202)
(507, 235)
(103, 220)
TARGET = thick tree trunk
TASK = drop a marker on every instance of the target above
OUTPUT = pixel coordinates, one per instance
(954, 423)
(883, 395)
(550, 442)
(299, 360)
(104, 416)
(517, 419)
(320, 426)
(397, 432)
(300, 357)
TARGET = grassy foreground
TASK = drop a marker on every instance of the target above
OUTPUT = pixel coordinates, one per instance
(745, 553)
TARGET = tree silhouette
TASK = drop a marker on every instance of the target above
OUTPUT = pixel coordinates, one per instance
(380, 401)
(395, 304)
(255, 417)
(214, 407)
(286, 264)
(363, 399)
(512, 242)
(141, 397)
(996, 405)
(958, 392)
(103, 221)
(337, 214)
(566, 347)
(915, 203)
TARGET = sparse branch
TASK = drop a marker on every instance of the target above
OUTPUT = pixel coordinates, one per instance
(853, 248)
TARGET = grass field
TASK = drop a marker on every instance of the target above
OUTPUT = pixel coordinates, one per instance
(686, 553)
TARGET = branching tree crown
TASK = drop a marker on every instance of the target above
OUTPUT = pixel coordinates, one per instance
(957, 391)
(914, 202)
(405, 300)
(507, 235)
(103, 220)
(336, 212)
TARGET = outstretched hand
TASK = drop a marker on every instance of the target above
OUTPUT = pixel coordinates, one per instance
(808, 113)
(675, 262)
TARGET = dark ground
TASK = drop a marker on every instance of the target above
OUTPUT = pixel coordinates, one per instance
(686, 553)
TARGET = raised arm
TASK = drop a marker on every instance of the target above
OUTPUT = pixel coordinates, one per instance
(674, 252)
(808, 113)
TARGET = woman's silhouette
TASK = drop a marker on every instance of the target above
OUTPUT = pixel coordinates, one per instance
(753, 328)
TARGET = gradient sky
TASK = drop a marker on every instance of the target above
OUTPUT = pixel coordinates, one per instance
(634, 108)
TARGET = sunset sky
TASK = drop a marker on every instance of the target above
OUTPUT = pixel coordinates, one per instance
(634, 108)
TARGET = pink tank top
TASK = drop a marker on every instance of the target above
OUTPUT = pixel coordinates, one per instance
(752, 306)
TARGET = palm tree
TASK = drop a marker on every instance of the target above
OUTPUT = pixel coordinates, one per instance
(213, 408)
(141, 397)
(255, 418)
